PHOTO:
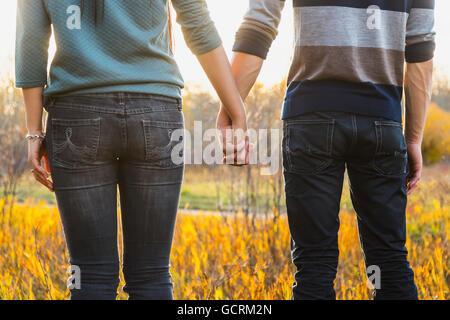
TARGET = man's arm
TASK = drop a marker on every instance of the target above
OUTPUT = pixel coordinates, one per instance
(418, 80)
(419, 53)
(253, 40)
(246, 68)
(32, 41)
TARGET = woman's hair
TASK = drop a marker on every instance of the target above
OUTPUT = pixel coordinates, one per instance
(171, 39)
(101, 4)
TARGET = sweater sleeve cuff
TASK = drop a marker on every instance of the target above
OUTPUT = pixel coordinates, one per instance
(213, 41)
(30, 84)
(252, 42)
(420, 52)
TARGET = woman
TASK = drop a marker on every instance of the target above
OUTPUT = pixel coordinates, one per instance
(113, 97)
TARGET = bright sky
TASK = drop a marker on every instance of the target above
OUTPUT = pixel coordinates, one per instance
(227, 15)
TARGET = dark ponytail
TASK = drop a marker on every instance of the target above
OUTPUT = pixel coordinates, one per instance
(99, 8)
(172, 42)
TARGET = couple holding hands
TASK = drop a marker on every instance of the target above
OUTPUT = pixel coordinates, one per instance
(113, 96)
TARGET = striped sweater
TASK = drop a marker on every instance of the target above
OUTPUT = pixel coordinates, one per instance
(349, 54)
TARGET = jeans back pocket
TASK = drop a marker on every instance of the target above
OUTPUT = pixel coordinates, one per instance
(391, 156)
(308, 145)
(161, 138)
(75, 141)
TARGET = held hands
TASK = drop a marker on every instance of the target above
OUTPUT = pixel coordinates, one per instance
(37, 151)
(232, 119)
(235, 144)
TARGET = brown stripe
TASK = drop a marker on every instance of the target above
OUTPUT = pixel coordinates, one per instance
(352, 64)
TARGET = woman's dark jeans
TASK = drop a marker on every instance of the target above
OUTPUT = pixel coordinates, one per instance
(99, 142)
(317, 147)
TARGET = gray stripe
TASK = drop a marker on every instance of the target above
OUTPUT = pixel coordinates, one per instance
(264, 16)
(420, 27)
(343, 26)
(351, 64)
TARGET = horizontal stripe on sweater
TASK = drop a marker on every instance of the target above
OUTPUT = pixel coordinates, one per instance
(392, 5)
(353, 64)
(361, 98)
(348, 27)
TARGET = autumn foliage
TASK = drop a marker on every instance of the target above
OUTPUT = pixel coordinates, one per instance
(218, 256)
(436, 140)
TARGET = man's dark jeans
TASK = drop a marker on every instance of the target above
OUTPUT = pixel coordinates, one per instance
(316, 149)
(95, 144)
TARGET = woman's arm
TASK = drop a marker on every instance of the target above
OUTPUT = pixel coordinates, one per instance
(32, 41)
(204, 41)
(33, 31)
(218, 69)
(34, 109)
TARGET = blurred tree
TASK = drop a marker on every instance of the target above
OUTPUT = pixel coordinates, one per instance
(13, 146)
(436, 140)
(441, 90)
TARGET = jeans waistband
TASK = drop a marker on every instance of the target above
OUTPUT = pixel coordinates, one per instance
(114, 102)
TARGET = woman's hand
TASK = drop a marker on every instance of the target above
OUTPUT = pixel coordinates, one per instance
(36, 151)
(36, 147)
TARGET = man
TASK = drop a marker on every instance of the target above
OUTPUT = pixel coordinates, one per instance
(343, 110)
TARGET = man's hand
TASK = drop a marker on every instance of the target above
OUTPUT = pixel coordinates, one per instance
(234, 141)
(36, 151)
(415, 166)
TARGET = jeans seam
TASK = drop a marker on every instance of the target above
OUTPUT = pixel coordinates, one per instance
(88, 108)
(121, 99)
(378, 148)
(330, 135)
(379, 137)
(288, 153)
(146, 138)
(354, 131)
(123, 134)
(293, 122)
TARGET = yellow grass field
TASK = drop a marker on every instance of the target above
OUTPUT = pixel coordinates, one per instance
(228, 257)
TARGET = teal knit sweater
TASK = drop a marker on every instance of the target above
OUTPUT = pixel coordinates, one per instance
(126, 50)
